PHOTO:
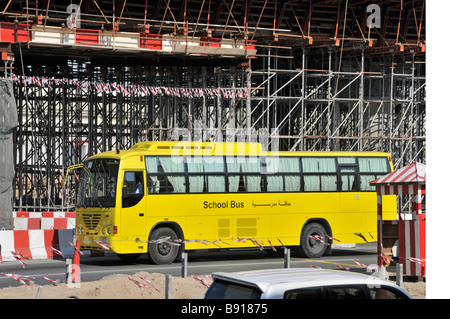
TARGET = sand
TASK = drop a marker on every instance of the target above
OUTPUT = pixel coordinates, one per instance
(119, 286)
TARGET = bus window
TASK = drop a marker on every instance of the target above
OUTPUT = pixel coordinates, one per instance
(174, 168)
(132, 189)
(215, 168)
(165, 174)
(320, 174)
(365, 182)
(154, 184)
(371, 168)
(244, 174)
(195, 170)
(348, 179)
(252, 182)
(233, 168)
(373, 165)
(98, 187)
(278, 179)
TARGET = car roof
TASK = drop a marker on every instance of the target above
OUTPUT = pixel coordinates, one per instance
(275, 281)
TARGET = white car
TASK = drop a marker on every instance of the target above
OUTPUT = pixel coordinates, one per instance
(301, 283)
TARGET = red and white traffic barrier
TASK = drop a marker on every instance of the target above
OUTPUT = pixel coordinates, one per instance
(44, 214)
(24, 223)
(27, 215)
(35, 244)
(57, 223)
(45, 220)
(59, 214)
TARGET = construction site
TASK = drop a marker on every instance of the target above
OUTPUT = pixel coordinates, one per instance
(80, 78)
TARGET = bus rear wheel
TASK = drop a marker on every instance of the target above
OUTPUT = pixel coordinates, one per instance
(163, 252)
(310, 247)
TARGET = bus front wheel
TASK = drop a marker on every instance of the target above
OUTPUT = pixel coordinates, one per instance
(162, 252)
(309, 245)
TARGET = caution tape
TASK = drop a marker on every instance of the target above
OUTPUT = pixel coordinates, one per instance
(362, 236)
(26, 279)
(319, 239)
(19, 257)
(332, 238)
(415, 260)
(342, 267)
(103, 245)
(273, 248)
(203, 281)
(281, 242)
(150, 283)
(359, 264)
(386, 259)
(76, 248)
(19, 279)
(53, 281)
(140, 284)
(57, 251)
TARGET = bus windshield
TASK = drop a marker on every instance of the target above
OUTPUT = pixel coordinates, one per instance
(98, 187)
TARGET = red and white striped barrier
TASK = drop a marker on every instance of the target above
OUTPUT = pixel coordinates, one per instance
(45, 220)
(24, 223)
(35, 244)
(27, 215)
(58, 214)
(57, 223)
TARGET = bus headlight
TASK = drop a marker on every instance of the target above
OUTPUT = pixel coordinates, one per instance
(104, 231)
(109, 231)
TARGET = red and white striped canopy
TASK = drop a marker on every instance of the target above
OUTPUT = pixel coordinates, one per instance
(413, 173)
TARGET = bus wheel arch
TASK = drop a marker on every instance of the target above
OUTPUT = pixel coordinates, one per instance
(310, 247)
(165, 253)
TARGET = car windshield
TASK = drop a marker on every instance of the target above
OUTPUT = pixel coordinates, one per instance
(221, 289)
(98, 187)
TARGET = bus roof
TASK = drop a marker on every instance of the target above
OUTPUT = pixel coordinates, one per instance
(218, 148)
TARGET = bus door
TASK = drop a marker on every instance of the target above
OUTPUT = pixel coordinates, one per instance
(351, 197)
(348, 187)
(133, 206)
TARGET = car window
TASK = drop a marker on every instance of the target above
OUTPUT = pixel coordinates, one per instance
(221, 289)
(304, 293)
(386, 293)
(346, 292)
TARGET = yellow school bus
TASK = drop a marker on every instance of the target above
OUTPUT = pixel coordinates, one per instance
(162, 198)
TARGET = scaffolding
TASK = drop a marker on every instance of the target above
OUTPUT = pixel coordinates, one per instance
(359, 103)
(315, 77)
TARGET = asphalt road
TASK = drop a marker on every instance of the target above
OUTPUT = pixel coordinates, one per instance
(94, 268)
